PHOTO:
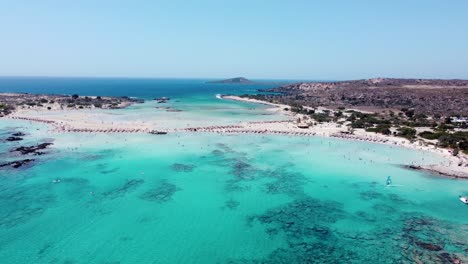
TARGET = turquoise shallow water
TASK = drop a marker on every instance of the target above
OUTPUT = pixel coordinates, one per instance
(208, 198)
(205, 198)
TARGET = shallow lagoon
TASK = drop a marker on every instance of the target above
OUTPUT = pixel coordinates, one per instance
(203, 198)
(206, 198)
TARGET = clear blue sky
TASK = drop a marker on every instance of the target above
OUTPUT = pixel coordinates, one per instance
(257, 39)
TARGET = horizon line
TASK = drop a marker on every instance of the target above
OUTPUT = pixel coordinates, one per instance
(215, 78)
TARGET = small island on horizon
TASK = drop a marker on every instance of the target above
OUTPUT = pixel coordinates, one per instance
(236, 80)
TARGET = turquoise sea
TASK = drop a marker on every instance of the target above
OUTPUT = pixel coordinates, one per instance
(209, 198)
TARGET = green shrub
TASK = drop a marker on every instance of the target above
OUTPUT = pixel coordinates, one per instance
(380, 128)
(406, 132)
(430, 135)
(321, 117)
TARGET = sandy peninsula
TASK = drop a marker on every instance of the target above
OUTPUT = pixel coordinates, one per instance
(293, 124)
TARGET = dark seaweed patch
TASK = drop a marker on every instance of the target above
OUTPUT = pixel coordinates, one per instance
(75, 180)
(217, 152)
(128, 186)
(243, 170)
(109, 171)
(367, 216)
(225, 148)
(88, 157)
(161, 193)
(20, 204)
(179, 167)
(232, 204)
(370, 195)
(236, 186)
(44, 250)
(285, 182)
(384, 208)
(397, 199)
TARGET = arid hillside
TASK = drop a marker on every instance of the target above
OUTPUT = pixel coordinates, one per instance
(430, 97)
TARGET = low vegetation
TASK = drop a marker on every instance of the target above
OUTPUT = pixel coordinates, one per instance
(9, 102)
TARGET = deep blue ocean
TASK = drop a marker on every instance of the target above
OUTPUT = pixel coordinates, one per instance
(136, 87)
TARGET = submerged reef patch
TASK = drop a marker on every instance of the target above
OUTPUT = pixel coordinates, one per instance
(409, 238)
(428, 240)
(303, 218)
(163, 192)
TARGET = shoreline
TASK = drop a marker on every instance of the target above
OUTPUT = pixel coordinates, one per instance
(453, 170)
(82, 122)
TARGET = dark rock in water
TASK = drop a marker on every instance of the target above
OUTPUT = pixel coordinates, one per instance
(32, 149)
(16, 164)
(179, 167)
(414, 167)
(18, 134)
(429, 246)
(162, 193)
(162, 100)
(14, 139)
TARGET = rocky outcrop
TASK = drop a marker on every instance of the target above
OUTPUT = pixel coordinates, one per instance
(14, 139)
(16, 164)
(33, 150)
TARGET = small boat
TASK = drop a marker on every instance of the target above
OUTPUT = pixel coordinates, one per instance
(56, 181)
(463, 199)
